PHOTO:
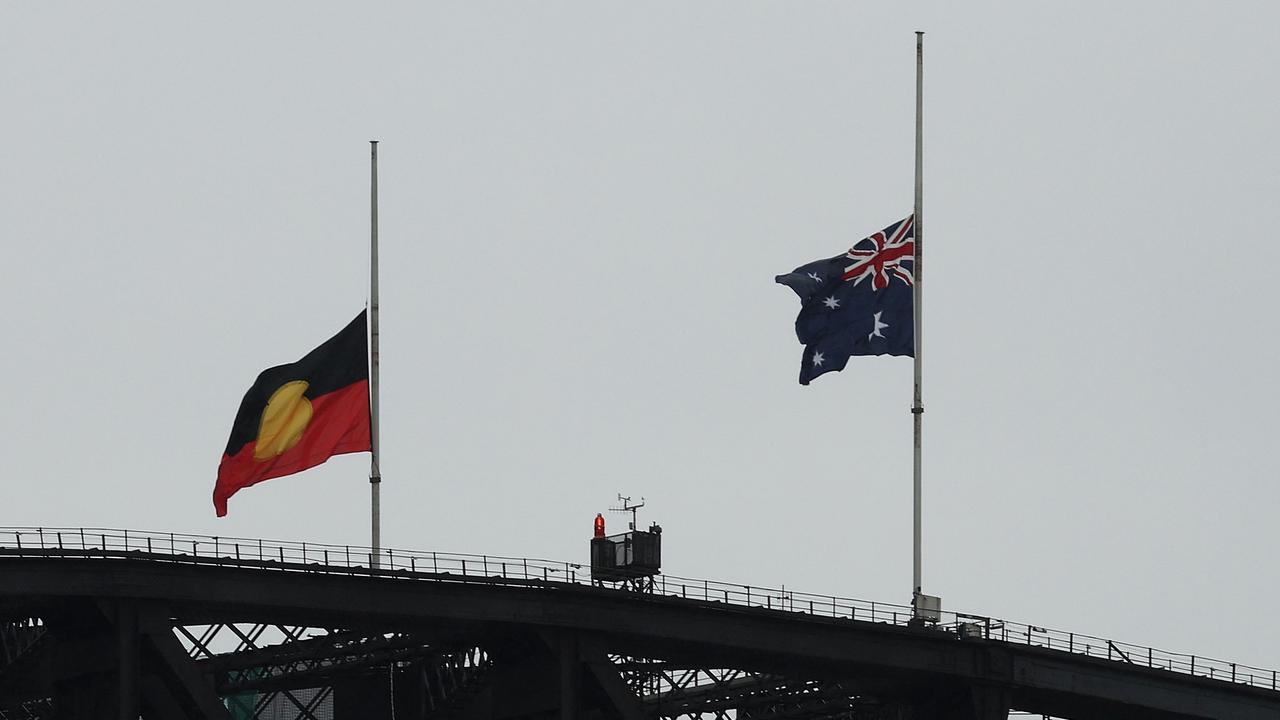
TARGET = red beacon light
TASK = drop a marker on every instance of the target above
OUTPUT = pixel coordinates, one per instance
(599, 525)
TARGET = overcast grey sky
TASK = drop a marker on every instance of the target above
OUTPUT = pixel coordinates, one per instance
(583, 208)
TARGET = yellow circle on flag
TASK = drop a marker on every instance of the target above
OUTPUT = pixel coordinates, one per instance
(285, 418)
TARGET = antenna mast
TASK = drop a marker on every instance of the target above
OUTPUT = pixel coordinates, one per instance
(628, 506)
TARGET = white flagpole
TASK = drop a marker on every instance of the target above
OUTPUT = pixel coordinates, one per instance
(375, 471)
(917, 407)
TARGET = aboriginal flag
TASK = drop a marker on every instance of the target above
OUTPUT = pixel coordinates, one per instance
(299, 415)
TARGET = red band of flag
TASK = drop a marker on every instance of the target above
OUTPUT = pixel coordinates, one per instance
(297, 416)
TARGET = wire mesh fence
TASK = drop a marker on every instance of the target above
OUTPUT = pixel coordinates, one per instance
(410, 565)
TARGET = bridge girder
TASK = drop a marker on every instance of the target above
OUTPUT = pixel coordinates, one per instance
(107, 620)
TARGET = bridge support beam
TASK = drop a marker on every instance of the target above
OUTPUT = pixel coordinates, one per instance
(170, 672)
(989, 702)
(959, 702)
(590, 684)
(570, 675)
(81, 663)
(127, 671)
(625, 704)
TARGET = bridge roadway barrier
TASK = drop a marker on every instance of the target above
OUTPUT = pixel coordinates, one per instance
(1042, 668)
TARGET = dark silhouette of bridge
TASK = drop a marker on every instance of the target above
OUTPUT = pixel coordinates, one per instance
(111, 623)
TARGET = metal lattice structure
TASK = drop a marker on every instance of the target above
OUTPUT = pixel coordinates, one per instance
(167, 625)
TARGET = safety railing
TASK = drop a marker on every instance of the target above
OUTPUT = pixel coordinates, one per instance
(457, 567)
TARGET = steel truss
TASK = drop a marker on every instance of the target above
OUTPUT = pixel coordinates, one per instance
(287, 672)
(18, 639)
(33, 710)
(673, 690)
(298, 702)
(294, 668)
(277, 671)
(96, 630)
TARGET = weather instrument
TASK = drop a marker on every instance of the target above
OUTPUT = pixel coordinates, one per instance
(629, 559)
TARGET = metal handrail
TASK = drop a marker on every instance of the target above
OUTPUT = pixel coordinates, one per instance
(460, 567)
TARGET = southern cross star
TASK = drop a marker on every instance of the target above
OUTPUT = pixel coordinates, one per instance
(875, 331)
(815, 277)
(831, 302)
(817, 359)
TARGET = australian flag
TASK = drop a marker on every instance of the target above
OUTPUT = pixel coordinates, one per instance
(857, 303)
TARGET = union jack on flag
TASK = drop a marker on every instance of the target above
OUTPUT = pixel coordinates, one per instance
(887, 250)
(842, 316)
